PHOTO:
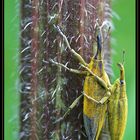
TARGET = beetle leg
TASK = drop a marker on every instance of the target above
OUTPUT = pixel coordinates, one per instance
(104, 99)
(75, 102)
(78, 56)
(98, 79)
(69, 69)
(92, 99)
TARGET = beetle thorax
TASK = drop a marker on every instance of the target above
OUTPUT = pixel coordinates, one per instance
(96, 66)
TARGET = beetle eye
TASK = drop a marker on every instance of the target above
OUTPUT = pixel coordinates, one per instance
(121, 82)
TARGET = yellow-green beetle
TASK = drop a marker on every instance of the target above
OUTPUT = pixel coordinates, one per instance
(118, 107)
(103, 106)
(94, 113)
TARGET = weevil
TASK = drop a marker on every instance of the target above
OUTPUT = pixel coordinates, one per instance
(97, 91)
(118, 107)
(94, 113)
(117, 110)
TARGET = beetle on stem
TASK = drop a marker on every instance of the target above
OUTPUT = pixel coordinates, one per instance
(100, 97)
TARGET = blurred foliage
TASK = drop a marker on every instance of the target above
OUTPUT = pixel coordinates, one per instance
(11, 46)
(123, 38)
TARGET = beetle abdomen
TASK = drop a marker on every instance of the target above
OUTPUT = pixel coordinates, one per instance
(94, 113)
(90, 127)
(105, 133)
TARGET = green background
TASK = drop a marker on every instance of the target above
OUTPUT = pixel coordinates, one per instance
(124, 35)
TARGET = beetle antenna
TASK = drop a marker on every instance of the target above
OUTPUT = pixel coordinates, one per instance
(123, 57)
(108, 31)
